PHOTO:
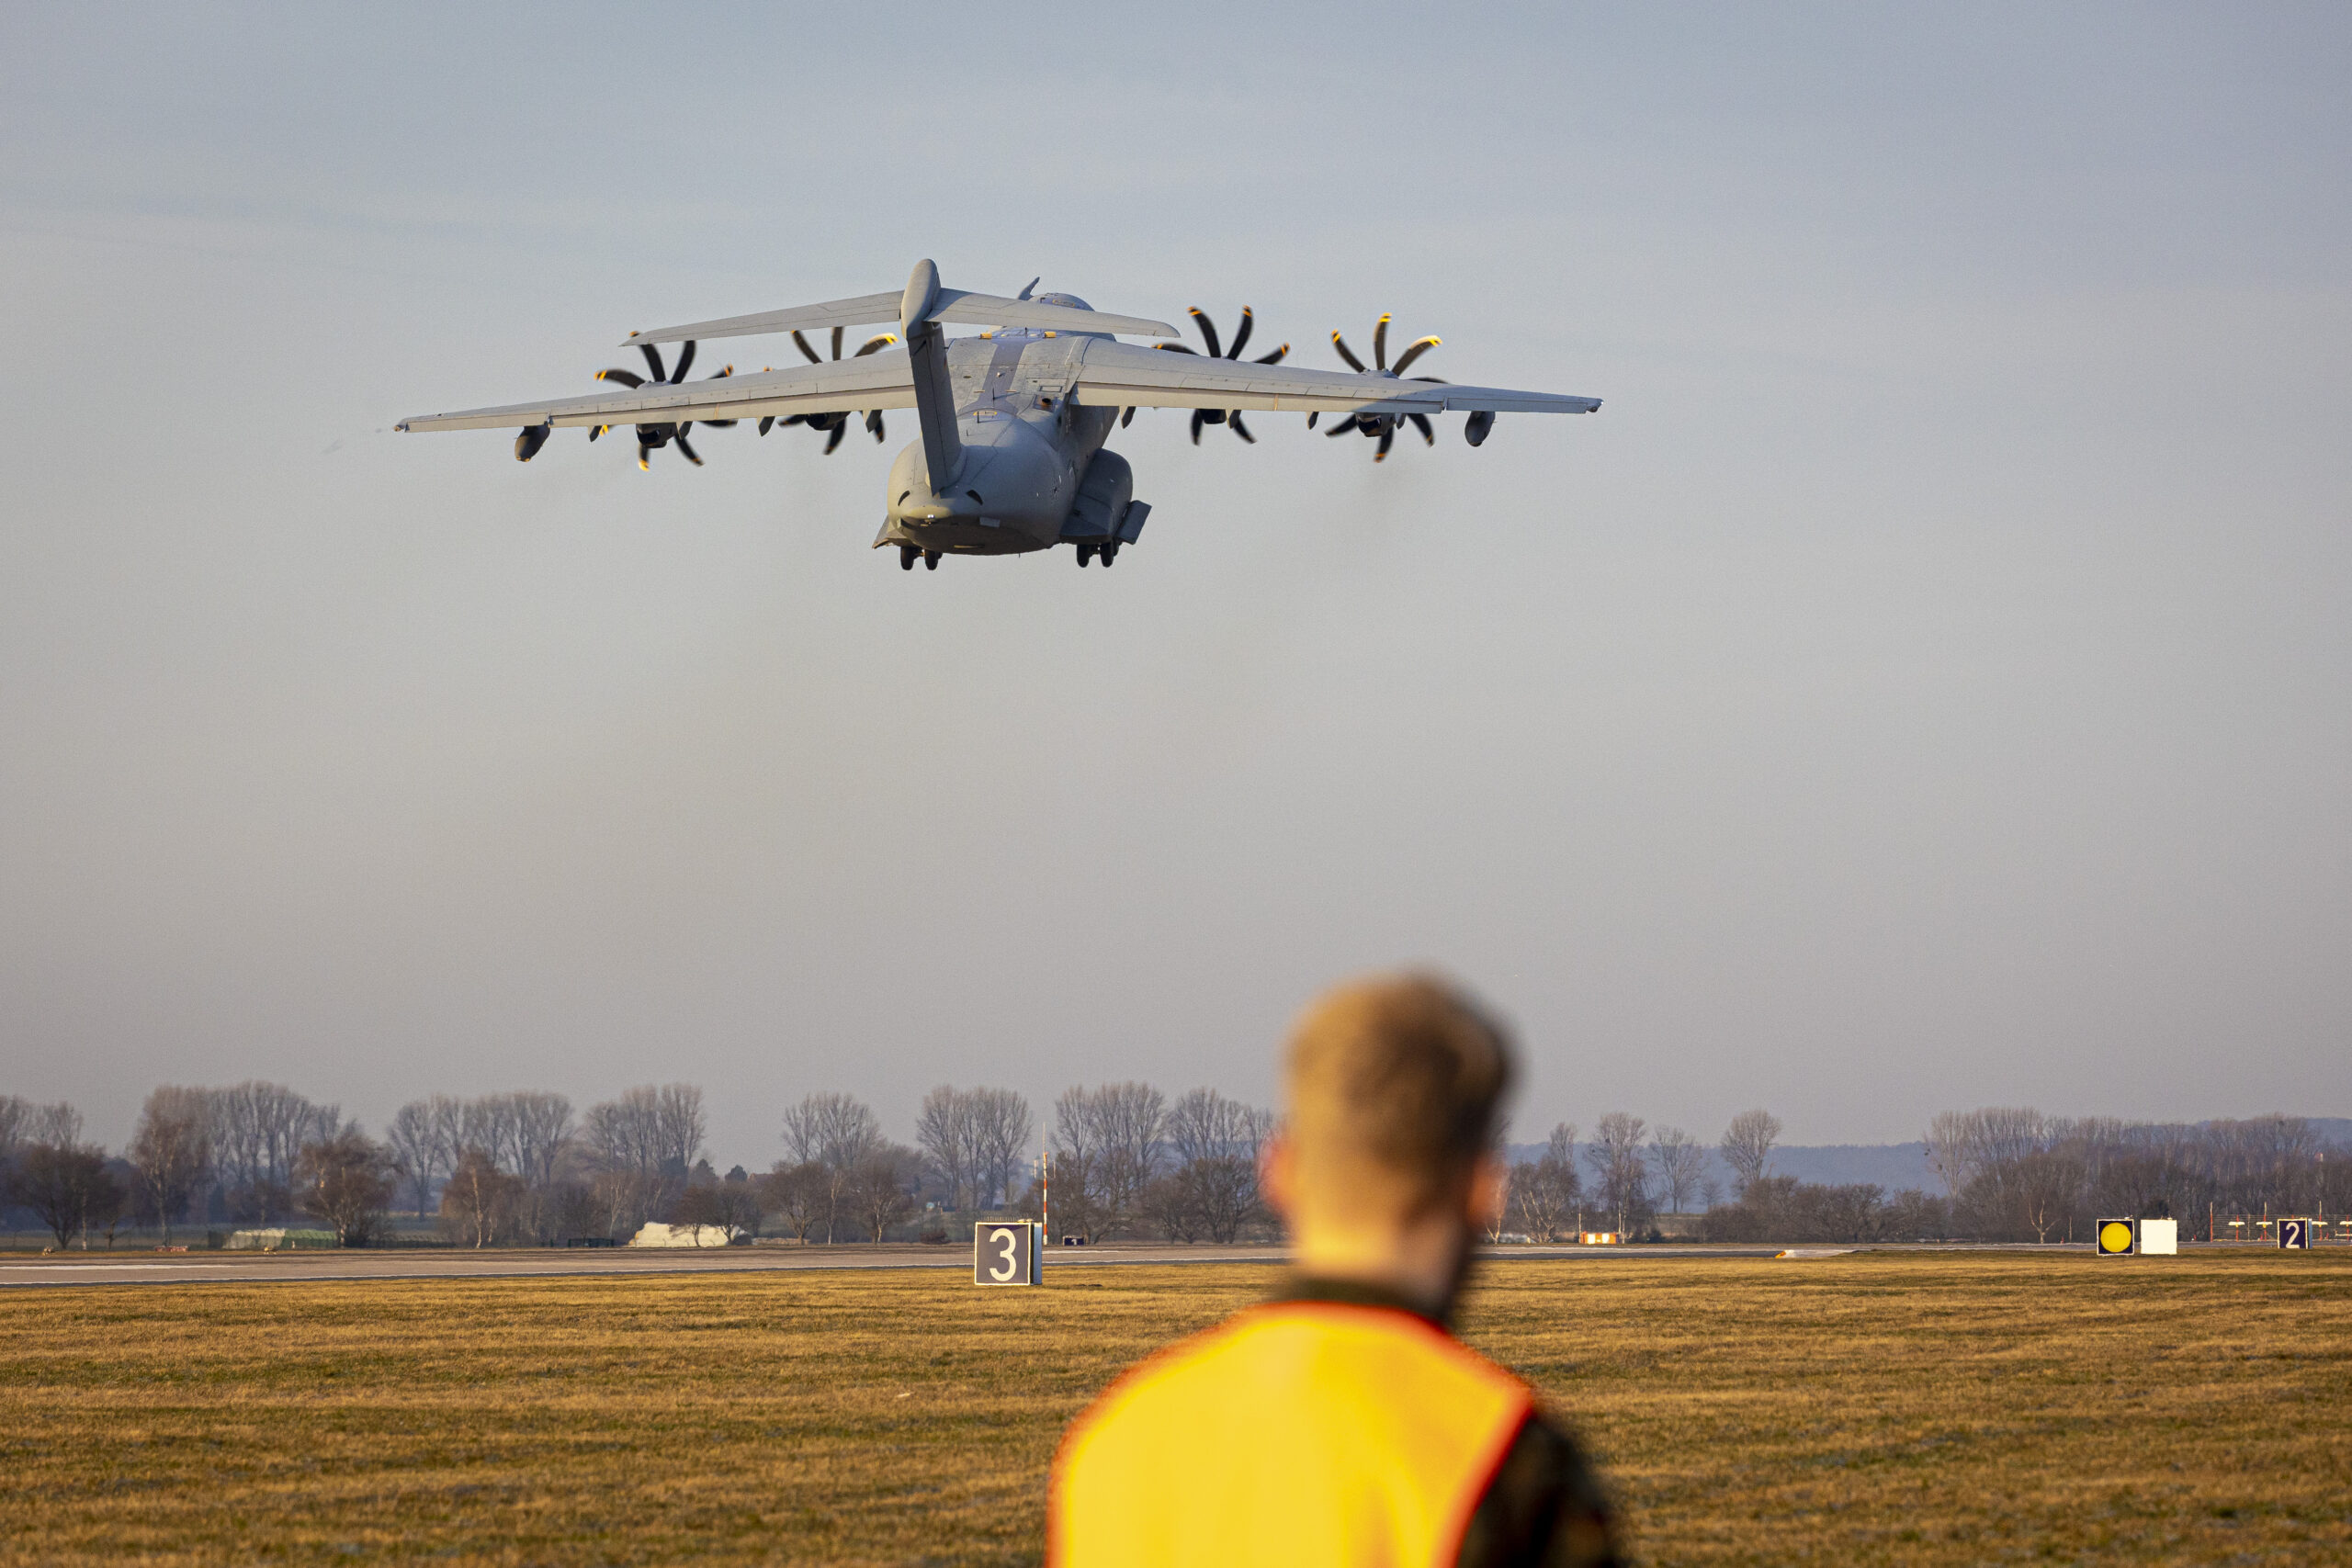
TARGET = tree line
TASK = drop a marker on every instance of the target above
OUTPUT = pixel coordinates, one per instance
(2007, 1173)
(1117, 1161)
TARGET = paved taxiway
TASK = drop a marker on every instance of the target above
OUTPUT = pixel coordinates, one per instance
(230, 1268)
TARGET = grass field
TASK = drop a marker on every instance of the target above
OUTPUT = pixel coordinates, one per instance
(1876, 1408)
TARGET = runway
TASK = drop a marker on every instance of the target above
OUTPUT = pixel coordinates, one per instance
(291, 1268)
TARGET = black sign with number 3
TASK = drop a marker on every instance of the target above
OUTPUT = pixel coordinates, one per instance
(1007, 1253)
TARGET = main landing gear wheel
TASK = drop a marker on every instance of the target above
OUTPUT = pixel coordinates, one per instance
(931, 560)
(1085, 552)
(907, 553)
(1110, 552)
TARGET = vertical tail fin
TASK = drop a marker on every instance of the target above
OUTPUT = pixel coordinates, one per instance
(943, 451)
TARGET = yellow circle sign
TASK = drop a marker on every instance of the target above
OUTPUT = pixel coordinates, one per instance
(2115, 1236)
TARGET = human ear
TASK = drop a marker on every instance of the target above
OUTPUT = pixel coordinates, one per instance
(1278, 1178)
(1489, 1190)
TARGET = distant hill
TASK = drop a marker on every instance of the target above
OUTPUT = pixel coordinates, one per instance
(1892, 1166)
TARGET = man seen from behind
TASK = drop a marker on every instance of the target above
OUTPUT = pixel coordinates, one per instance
(1341, 1423)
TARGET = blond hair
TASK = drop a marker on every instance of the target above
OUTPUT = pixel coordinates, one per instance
(1395, 1085)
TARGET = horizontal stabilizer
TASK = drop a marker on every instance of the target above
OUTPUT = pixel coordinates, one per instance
(866, 309)
(994, 311)
(879, 309)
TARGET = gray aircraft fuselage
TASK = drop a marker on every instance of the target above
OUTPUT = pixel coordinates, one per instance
(1025, 443)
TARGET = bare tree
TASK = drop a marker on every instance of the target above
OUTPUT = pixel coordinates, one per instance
(1069, 1195)
(1203, 1125)
(346, 1179)
(257, 1129)
(13, 1114)
(57, 1126)
(837, 1132)
(2044, 1189)
(1114, 1133)
(948, 1129)
(1615, 1156)
(67, 1186)
(539, 1134)
(1213, 1188)
(1543, 1190)
(735, 1203)
(1747, 1144)
(1677, 1157)
(798, 1195)
(679, 1115)
(172, 1150)
(479, 1202)
(416, 1144)
(451, 1128)
(881, 1188)
(1002, 1128)
(641, 1144)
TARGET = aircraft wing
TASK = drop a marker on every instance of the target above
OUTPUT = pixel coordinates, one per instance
(1127, 376)
(882, 379)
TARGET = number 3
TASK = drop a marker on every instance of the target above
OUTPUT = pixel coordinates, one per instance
(1011, 1268)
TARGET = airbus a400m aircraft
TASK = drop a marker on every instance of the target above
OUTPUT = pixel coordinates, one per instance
(1013, 420)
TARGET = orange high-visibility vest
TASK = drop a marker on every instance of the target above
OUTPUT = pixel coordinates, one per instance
(1295, 1434)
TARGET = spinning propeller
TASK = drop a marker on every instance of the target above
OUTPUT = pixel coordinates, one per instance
(1384, 425)
(837, 424)
(1208, 334)
(649, 436)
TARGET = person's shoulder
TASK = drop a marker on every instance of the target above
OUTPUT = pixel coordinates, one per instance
(1545, 1507)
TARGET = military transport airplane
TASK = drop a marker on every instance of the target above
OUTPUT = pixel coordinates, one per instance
(1011, 457)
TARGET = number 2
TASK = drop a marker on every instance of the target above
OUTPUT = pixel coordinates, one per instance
(1011, 1268)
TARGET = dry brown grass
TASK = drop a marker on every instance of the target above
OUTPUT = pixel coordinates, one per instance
(1880, 1408)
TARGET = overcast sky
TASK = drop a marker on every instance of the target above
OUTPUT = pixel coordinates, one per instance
(1927, 682)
